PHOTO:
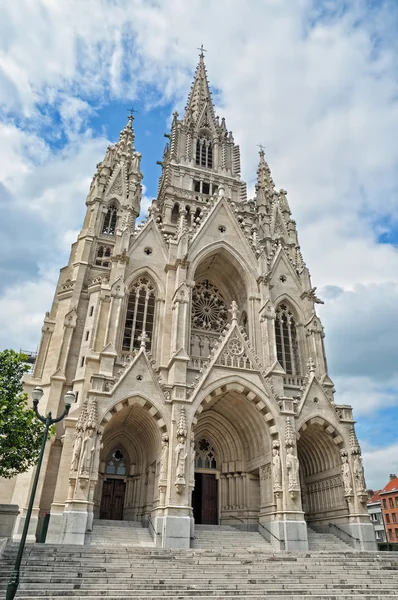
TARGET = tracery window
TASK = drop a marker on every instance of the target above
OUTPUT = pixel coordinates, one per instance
(103, 257)
(116, 465)
(205, 455)
(110, 220)
(286, 340)
(140, 313)
(209, 310)
(204, 152)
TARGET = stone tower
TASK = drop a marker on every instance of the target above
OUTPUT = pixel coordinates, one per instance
(192, 343)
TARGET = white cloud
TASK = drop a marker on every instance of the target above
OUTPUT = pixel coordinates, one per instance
(379, 463)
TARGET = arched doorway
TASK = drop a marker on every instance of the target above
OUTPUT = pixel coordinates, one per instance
(114, 486)
(233, 447)
(127, 488)
(322, 488)
(207, 475)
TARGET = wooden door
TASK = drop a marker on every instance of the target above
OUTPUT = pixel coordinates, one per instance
(112, 502)
(209, 499)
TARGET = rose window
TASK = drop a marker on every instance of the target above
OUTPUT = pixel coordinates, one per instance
(235, 347)
(209, 310)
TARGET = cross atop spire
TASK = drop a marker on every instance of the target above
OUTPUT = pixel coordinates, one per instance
(201, 51)
(131, 112)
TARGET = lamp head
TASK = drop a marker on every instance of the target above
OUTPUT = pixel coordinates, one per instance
(69, 399)
(37, 394)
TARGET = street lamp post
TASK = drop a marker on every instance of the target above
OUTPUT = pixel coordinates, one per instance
(48, 421)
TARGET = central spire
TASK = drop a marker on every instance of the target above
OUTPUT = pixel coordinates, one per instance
(200, 92)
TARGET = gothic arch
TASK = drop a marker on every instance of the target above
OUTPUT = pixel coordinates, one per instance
(224, 436)
(293, 304)
(140, 313)
(242, 428)
(318, 447)
(135, 425)
(149, 272)
(109, 202)
(240, 386)
(135, 398)
(113, 445)
(243, 268)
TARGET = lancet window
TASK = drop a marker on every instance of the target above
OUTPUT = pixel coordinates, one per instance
(204, 152)
(109, 226)
(205, 455)
(140, 313)
(286, 340)
(116, 464)
(103, 256)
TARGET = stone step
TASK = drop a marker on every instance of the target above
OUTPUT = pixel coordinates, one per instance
(226, 537)
(119, 524)
(190, 596)
(125, 533)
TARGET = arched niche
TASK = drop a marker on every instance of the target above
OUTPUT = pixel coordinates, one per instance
(219, 279)
(241, 430)
(322, 488)
(134, 427)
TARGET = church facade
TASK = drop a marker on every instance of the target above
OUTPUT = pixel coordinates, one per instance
(193, 346)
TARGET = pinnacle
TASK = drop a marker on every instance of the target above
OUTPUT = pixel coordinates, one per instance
(200, 92)
(265, 186)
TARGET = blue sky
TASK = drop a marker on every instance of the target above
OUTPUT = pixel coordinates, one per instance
(315, 81)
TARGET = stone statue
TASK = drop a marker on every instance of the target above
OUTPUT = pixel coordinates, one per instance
(88, 452)
(181, 456)
(77, 448)
(276, 470)
(164, 458)
(346, 475)
(292, 466)
(193, 456)
(359, 473)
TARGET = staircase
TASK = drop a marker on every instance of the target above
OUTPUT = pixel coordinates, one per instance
(125, 572)
(119, 533)
(326, 542)
(225, 537)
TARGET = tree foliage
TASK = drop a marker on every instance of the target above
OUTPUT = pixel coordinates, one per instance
(21, 432)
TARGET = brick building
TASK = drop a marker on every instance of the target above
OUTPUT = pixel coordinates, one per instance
(389, 507)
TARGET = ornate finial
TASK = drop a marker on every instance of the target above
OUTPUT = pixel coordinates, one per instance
(290, 435)
(175, 115)
(311, 365)
(261, 148)
(354, 444)
(234, 311)
(92, 419)
(182, 429)
(201, 51)
(143, 339)
(82, 417)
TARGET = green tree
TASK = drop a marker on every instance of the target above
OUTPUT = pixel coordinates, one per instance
(21, 432)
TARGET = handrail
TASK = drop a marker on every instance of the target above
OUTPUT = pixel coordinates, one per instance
(345, 532)
(151, 524)
(238, 518)
(273, 535)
